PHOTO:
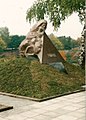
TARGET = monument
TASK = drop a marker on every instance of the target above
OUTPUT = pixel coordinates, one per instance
(38, 43)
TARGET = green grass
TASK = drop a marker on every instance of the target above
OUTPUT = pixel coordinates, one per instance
(26, 77)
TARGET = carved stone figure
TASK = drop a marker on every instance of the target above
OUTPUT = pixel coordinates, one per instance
(32, 44)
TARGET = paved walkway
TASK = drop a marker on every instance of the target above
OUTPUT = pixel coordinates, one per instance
(69, 107)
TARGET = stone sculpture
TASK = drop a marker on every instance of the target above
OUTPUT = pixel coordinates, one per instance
(33, 42)
(38, 43)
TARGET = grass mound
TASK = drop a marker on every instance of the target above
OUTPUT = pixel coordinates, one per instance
(26, 77)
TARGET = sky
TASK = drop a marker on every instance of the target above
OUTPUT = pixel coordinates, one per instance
(13, 16)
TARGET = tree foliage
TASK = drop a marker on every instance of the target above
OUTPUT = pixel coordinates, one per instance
(15, 41)
(56, 10)
(68, 42)
(2, 44)
(4, 34)
(56, 41)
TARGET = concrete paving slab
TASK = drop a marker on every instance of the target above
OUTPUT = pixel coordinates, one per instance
(69, 107)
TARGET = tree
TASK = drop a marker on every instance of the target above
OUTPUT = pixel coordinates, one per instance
(4, 34)
(78, 40)
(56, 10)
(82, 48)
(2, 44)
(68, 42)
(56, 41)
(15, 41)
